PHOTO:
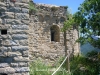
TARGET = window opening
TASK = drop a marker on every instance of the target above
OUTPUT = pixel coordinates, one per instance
(55, 33)
(4, 32)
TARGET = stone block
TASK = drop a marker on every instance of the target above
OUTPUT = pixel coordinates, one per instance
(19, 64)
(21, 59)
(2, 4)
(13, 54)
(14, 43)
(25, 22)
(3, 65)
(14, 64)
(20, 32)
(22, 16)
(25, 53)
(19, 48)
(24, 10)
(23, 42)
(15, 9)
(23, 64)
(22, 5)
(20, 27)
(13, 21)
(2, 9)
(9, 15)
(22, 69)
(19, 36)
(7, 70)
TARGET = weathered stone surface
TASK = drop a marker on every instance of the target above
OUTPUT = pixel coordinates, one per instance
(22, 16)
(22, 5)
(3, 65)
(15, 9)
(3, 9)
(19, 36)
(23, 69)
(24, 10)
(13, 21)
(13, 54)
(20, 32)
(20, 48)
(25, 53)
(20, 27)
(20, 64)
(9, 15)
(20, 58)
(14, 26)
(7, 70)
(2, 4)
(23, 42)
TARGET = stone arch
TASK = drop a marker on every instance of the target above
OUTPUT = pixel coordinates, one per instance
(41, 18)
(62, 19)
(55, 33)
(47, 18)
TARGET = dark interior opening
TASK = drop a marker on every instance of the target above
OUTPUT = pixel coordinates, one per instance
(55, 33)
(4, 32)
(3, 74)
(52, 36)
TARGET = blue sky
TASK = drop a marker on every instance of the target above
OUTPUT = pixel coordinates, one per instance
(72, 4)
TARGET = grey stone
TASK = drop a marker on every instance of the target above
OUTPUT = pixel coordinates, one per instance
(20, 27)
(15, 9)
(23, 42)
(19, 48)
(7, 70)
(20, 58)
(22, 16)
(24, 10)
(13, 54)
(23, 69)
(19, 36)
(25, 53)
(3, 65)
(13, 21)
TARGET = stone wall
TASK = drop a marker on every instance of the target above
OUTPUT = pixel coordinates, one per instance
(46, 40)
(14, 26)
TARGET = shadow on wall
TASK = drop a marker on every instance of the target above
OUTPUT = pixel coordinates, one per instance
(88, 48)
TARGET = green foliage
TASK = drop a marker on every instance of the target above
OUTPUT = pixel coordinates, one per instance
(83, 66)
(38, 68)
(69, 22)
(54, 8)
(31, 8)
(88, 17)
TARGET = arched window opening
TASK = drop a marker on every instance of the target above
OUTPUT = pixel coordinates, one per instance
(40, 17)
(55, 33)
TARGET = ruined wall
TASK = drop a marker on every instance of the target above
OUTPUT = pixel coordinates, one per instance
(14, 21)
(46, 40)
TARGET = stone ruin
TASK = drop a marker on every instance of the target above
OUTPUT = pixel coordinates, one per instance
(39, 36)
(46, 40)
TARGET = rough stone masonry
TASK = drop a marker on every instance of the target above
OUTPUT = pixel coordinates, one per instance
(46, 40)
(36, 37)
(14, 26)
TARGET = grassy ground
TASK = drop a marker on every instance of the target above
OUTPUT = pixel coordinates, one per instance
(79, 65)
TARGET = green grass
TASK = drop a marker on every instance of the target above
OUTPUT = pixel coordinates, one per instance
(79, 65)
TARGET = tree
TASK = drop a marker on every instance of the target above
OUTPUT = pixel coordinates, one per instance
(88, 17)
(68, 24)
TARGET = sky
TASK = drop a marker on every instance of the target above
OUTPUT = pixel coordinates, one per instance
(72, 4)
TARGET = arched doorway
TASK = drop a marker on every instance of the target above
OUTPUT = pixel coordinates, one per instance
(55, 33)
